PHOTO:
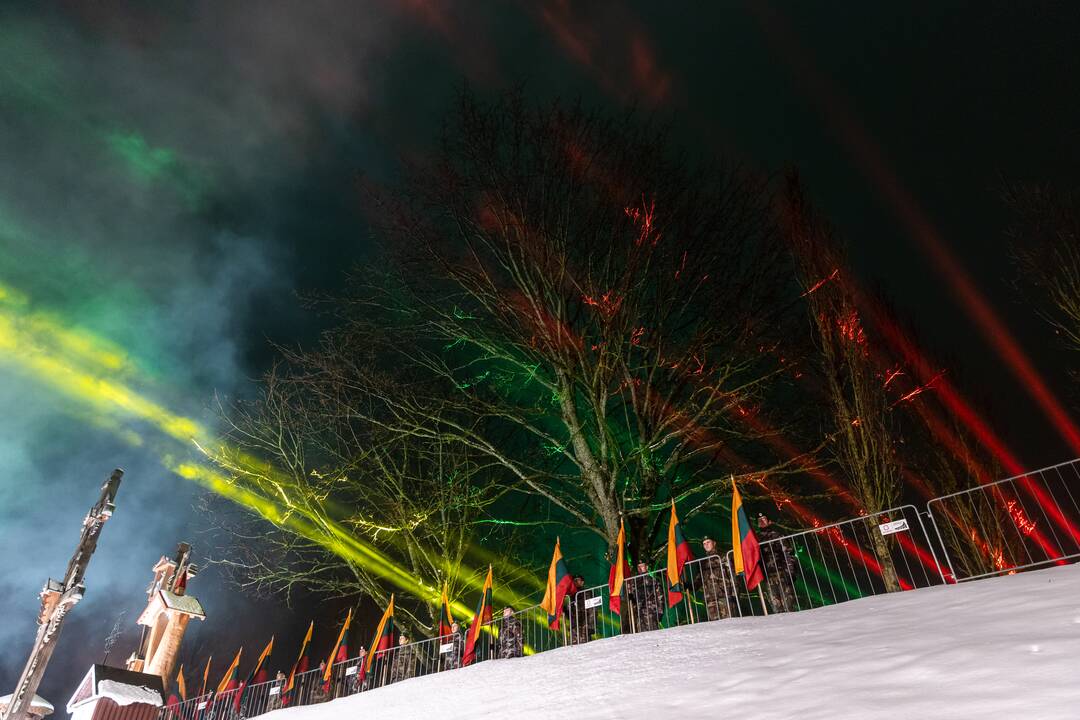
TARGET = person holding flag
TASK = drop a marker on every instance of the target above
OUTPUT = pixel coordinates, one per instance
(383, 641)
(229, 683)
(482, 617)
(328, 673)
(299, 667)
(257, 675)
(559, 583)
(744, 546)
(678, 554)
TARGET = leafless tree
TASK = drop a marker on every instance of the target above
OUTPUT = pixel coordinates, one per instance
(1046, 247)
(599, 310)
(863, 428)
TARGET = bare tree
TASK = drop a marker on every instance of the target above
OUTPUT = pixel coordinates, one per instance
(1046, 247)
(595, 308)
(412, 501)
(863, 428)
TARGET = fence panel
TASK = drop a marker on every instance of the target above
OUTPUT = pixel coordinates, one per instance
(873, 554)
(1022, 522)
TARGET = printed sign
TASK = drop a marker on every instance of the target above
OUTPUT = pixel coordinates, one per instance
(445, 648)
(593, 602)
(202, 706)
(351, 670)
(893, 527)
(276, 690)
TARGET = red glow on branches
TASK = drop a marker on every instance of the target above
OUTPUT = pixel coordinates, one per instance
(643, 218)
(816, 286)
(909, 396)
(607, 304)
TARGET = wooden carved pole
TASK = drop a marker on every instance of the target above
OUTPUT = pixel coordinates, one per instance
(57, 598)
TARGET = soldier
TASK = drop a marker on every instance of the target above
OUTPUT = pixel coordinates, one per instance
(403, 666)
(452, 658)
(780, 567)
(583, 621)
(511, 641)
(714, 582)
(646, 599)
(321, 691)
(274, 701)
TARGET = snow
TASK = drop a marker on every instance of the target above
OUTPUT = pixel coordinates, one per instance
(43, 706)
(1000, 648)
(124, 694)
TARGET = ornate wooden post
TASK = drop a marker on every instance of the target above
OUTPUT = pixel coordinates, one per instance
(57, 598)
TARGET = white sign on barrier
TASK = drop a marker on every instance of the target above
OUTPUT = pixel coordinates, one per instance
(202, 706)
(276, 690)
(351, 670)
(593, 602)
(893, 527)
(445, 648)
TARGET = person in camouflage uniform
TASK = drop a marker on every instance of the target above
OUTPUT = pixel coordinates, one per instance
(646, 600)
(511, 637)
(781, 567)
(582, 620)
(714, 583)
(403, 666)
(452, 658)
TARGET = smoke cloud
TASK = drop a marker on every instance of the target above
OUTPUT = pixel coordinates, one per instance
(153, 197)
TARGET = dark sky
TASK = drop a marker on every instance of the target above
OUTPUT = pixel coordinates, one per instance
(172, 173)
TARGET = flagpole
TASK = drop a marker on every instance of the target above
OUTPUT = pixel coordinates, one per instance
(762, 596)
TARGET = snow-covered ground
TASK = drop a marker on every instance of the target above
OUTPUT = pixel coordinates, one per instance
(1001, 648)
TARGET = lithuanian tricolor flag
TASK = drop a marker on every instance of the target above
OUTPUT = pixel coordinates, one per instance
(180, 685)
(618, 574)
(678, 554)
(253, 676)
(229, 681)
(559, 582)
(446, 618)
(744, 543)
(384, 636)
(300, 666)
(333, 652)
(483, 616)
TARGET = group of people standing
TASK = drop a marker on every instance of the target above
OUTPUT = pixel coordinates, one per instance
(645, 604)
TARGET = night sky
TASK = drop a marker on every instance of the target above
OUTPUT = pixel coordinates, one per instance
(172, 174)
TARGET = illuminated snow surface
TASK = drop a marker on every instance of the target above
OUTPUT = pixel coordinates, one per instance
(1001, 648)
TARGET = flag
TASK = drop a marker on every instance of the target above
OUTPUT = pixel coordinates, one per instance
(205, 675)
(559, 582)
(483, 615)
(333, 653)
(446, 618)
(384, 636)
(744, 543)
(253, 676)
(180, 683)
(228, 681)
(300, 659)
(618, 574)
(678, 554)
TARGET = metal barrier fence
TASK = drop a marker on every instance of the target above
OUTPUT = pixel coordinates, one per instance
(1013, 524)
(645, 603)
(873, 554)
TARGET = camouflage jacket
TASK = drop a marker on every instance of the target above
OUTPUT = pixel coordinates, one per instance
(511, 640)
